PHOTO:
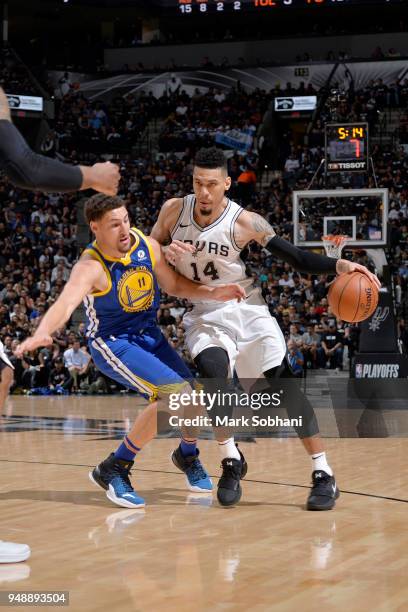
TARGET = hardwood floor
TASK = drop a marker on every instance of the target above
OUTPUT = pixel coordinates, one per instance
(183, 551)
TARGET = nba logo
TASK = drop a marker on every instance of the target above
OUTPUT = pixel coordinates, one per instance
(359, 370)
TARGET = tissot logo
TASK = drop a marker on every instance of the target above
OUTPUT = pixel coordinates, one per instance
(377, 370)
(347, 165)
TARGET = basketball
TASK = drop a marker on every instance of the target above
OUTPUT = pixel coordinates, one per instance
(353, 297)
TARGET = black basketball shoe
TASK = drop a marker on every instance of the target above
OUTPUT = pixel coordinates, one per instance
(112, 475)
(229, 488)
(323, 493)
(196, 475)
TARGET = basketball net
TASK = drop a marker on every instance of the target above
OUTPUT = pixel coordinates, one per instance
(333, 245)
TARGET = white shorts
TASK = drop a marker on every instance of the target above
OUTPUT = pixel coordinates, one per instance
(246, 330)
(4, 360)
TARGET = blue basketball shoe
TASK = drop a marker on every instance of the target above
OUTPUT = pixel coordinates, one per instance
(197, 478)
(113, 476)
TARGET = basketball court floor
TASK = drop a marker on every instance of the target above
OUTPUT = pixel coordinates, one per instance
(183, 551)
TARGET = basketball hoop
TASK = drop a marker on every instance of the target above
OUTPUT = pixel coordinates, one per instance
(333, 245)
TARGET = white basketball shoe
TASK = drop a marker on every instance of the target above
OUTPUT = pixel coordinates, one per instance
(10, 552)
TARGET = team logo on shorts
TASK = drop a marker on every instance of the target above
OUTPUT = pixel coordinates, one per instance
(136, 289)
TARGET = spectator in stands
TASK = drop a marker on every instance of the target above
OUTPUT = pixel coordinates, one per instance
(77, 362)
(246, 184)
(60, 377)
(165, 318)
(296, 359)
(331, 351)
(173, 85)
(295, 336)
(310, 344)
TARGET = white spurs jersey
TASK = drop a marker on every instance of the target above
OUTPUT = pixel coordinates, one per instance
(4, 357)
(217, 258)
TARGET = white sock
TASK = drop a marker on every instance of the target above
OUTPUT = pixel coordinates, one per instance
(319, 462)
(228, 449)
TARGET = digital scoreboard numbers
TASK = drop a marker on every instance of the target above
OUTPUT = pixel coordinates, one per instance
(346, 147)
(203, 7)
(188, 7)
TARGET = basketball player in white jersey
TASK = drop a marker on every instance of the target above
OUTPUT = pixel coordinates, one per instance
(207, 232)
(10, 552)
(6, 376)
(28, 170)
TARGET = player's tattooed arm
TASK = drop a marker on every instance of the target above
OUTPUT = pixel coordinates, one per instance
(263, 231)
(251, 226)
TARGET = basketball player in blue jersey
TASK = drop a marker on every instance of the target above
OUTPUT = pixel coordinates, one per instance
(117, 277)
(206, 233)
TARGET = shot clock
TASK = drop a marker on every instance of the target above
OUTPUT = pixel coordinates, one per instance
(346, 147)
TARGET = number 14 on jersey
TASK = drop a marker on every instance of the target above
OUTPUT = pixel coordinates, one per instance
(209, 270)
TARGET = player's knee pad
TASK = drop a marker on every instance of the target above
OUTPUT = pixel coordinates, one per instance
(214, 376)
(175, 400)
(164, 392)
(293, 399)
(213, 362)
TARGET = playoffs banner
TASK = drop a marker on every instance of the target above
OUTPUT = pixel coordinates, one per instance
(379, 366)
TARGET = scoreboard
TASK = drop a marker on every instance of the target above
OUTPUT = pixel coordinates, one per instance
(197, 7)
(346, 147)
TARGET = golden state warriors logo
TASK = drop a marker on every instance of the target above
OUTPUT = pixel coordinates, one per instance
(136, 289)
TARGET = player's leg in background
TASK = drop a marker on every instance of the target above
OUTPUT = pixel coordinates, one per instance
(324, 491)
(10, 552)
(6, 381)
(214, 367)
(262, 352)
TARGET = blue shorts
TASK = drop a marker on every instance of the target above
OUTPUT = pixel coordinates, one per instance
(143, 362)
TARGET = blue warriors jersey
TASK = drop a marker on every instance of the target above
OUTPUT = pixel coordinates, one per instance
(130, 302)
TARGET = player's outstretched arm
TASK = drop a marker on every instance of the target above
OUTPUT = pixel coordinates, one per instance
(29, 170)
(102, 177)
(251, 226)
(175, 284)
(85, 276)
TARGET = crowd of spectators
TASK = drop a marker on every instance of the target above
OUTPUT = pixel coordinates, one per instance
(14, 76)
(196, 119)
(38, 233)
(95, 128)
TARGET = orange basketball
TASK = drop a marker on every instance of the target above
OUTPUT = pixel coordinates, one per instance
(353, 297)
